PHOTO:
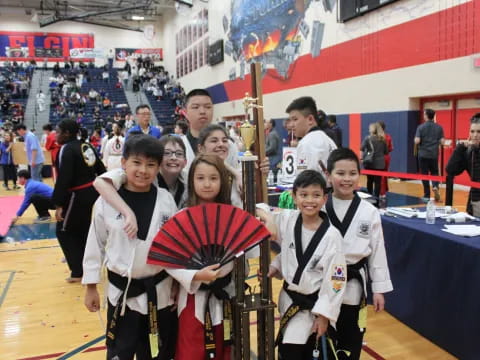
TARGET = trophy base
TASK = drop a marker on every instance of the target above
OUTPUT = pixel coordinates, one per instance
(248, 158)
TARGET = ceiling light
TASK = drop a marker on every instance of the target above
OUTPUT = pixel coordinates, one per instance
(136, 17)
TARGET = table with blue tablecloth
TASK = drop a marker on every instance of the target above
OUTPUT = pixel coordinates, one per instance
(436, 279)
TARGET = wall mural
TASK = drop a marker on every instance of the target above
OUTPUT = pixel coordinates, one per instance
(271, 32)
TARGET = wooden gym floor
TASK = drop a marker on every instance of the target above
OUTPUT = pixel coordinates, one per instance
(43, 317)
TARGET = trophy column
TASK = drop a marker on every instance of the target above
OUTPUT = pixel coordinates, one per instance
(261, 303)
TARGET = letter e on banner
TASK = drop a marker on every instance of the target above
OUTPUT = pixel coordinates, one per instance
(289, 164)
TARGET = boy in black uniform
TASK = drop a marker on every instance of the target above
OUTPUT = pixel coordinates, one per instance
(74, 195)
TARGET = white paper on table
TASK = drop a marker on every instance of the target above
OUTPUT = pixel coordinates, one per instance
(404, 212)
(463, 230)
(459, 217)
(423, 214)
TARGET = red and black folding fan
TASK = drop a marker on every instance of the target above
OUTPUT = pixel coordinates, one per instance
(205, 235)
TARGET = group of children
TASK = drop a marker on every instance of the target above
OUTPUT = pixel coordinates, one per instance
(325, 246)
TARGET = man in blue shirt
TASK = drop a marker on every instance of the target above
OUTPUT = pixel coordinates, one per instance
(34, 151)
(36, 193)
(144, 113)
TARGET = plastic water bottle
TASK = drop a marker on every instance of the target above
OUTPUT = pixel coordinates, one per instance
(270, 181)
(430, 216)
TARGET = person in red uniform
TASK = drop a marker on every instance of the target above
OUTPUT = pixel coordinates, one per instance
(52, 146)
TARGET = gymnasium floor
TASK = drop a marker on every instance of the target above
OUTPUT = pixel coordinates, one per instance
(43, 317)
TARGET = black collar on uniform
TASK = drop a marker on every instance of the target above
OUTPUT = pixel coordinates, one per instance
(304, 258)
(352, 209)
(315, 128)
(180, 188)
(193, 141)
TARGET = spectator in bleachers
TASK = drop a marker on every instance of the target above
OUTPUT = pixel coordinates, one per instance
(105, 76)
(34, 151)
(5, 103)
(83, 102)
(92, 94)
(80, 119)
(116, 117)
(24, 85)
(157, 92)
(106, 103)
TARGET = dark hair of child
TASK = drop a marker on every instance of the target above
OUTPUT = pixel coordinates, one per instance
(341, 154)
(223, 196)
(307, 178)
(143, 145)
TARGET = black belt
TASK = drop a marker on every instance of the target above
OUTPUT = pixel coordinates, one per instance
(299, 302)
(353, 272)
(137, 287)
(217, 289)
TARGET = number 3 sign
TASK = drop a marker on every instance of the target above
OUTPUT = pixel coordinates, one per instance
(289, 164)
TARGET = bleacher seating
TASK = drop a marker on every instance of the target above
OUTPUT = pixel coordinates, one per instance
(115, 94)
(163, 109)
(14, 89)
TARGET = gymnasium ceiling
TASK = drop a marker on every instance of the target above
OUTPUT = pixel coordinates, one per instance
(111, 13)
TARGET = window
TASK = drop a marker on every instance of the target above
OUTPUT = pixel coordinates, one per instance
(191, 43)
(350, 9)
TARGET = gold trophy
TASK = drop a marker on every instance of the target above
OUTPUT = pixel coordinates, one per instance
(247, 130)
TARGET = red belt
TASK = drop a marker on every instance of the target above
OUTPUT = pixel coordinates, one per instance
(80, 187)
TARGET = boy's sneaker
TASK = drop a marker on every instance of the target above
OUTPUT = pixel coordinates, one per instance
(16, 187)
(42, 219)
(436, 193)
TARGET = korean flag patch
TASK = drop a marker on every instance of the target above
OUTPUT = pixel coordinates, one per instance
(338, 278)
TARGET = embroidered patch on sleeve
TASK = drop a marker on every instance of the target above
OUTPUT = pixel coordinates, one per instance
(364, 228)
(338, 278)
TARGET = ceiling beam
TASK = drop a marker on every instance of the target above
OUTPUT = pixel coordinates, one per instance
(113, 26)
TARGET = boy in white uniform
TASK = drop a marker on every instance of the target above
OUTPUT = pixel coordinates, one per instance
(315, 146)
(139, 294)
(360, 225)
(313, 266)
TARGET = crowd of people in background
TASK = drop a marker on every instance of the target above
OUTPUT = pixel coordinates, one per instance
(69, 99)
(192, 142)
